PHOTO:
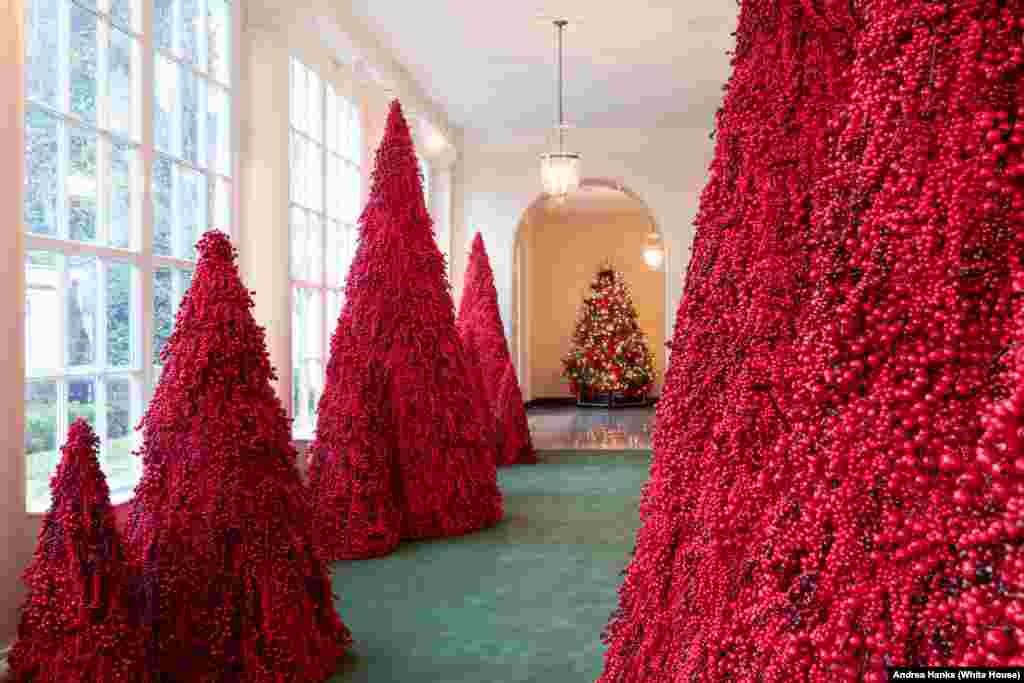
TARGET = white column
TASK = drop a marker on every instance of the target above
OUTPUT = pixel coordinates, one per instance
(263, 224)
(14, 536)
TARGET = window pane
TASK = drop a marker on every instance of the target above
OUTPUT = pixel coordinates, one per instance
(119, 314)
(313, 177)
(314, 106)
(43, 350)
(349, 191)
(82, 307)
(42, 133)
(218, 130)
(119, 84)
(163, 205)
(220, 211)
(169, 287)
(165, 114)
(218, 24)
(163, 311)
(297, 149)
(191, 94)
(121, 183)
(122, 12)
(332, 120)
(298, 96)
(119, 465)
(83, 63)
(81, 402)
(306, 249)
(334, 195)
(354, 134)
(193, 210)
(307, 368)
(163, 24)
(81, 184)
(334, 301)
(41, 426)
(42, 52)
(337, 261)
(192, 33)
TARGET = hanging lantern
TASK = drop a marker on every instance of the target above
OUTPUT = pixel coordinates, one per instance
(654, 251)
(560, 171)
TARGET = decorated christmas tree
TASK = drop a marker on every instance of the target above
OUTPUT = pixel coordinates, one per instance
(76, 622)
(609, 352)
(838, 477)
(404, 445)
(483, 337)
(232, 588)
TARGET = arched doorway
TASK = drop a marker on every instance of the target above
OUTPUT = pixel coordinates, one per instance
(557, 249)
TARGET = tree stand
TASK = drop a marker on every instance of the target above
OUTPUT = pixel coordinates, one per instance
(587, 398)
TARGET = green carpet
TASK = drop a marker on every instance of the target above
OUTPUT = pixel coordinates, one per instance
(523, 602)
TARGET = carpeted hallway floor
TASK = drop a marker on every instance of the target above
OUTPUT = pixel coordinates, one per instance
(523, 602)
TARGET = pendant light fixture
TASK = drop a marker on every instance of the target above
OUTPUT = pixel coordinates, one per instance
(560, 171)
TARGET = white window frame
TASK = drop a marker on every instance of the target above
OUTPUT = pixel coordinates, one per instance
(142, 371)
(304, 420)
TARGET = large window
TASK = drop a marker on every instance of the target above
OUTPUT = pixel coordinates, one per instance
(104, 275)
(325, 140)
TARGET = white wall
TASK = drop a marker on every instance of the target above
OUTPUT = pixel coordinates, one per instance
(499, 179)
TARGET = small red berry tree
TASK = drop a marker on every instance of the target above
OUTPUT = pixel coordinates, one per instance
(482, 333)
(76, 623)
(403, 449)
(838, 480)
(232, 588)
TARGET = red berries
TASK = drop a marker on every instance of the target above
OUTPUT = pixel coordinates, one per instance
(856, 253)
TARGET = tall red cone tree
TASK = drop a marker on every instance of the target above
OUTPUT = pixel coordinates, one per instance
(838, 478)
(232, 586)
(482, 332)
(403, 448)
(516, 445)
(76, 623)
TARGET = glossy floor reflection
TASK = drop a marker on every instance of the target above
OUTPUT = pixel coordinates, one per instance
(567, 428)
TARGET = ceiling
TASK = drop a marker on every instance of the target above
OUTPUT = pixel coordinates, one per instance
(491, 65)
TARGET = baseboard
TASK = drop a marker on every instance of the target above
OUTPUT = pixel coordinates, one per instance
(557, 401)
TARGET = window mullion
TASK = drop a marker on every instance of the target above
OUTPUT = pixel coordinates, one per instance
(100, 406)
(144, 228)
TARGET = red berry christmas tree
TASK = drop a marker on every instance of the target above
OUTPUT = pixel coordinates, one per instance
(838, 482)
(232, 587)
(404, 448)
(516, 444)
(483, 336)
(609, 352)
(75, 624)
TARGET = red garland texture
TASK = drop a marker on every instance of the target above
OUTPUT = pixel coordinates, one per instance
(231, 587)
(483, 337)
(838, 476)
(404, 446)
(75, 624)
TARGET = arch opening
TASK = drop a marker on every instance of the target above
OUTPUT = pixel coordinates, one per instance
(558, 247)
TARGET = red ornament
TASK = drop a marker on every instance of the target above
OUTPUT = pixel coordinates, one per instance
(483, 337)
(404, 446)
(76, 622)
(221, 529)
(834, 486)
